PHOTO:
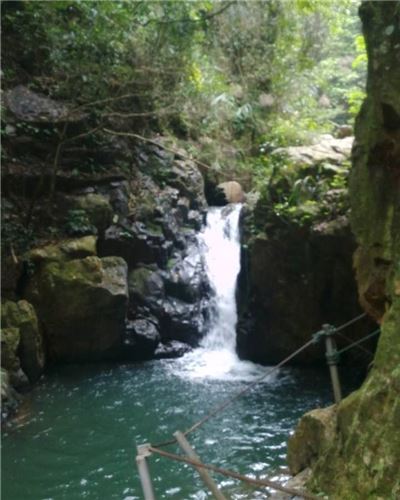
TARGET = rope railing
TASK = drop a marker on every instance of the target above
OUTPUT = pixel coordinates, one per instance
(357, 342)
(239, 394)
(267, 483)
(332, 355)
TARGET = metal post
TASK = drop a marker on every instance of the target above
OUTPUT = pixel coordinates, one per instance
(205, 475)
(331, 357)
(144, 473)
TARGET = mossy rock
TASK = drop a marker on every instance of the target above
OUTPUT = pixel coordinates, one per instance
(97, 208)
(145, 283)
(69, 249)
(10, 340)
(22, 315)
(82, 304)
(313, 434)
(363, 461)
(9, 398)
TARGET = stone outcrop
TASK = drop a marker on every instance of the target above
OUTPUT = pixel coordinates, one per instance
(9, 397)
(363, 459)
(297, 276)
(116, 210)
(22, 316)
(314, 434)
(232, 191)
(29, 106)
(325, 149)
(79, 285)
(82, 304)
(10, 339)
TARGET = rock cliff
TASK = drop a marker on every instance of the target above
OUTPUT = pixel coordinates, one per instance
(361, 458)
(297, 269)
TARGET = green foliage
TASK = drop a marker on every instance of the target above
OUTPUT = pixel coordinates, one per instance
(15, 235)
(230, 77)
(78, 224)
(301, 195)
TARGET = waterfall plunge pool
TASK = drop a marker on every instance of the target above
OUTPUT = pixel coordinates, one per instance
(82, 423)
(80, 426)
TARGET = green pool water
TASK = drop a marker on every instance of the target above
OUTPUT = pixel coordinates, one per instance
(82, 423)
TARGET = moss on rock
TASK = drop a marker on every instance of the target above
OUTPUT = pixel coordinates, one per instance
(31, 353)
(82, 304)
(64, 250)
(363, 461)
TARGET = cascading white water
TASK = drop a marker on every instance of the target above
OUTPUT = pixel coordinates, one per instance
(217, 358)
(221, 240)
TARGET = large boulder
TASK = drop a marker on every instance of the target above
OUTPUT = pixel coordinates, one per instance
(232, 190)
(22, 315)
(313, 434)
(63, 250)
(326, 148)
(292, 281)
(10, 338)
(9, 397)
(82, 304)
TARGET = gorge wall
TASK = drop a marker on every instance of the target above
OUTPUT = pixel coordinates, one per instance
(112, 269)
(297, 271)
(354, 448)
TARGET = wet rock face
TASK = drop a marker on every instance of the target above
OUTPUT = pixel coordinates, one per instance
(292, 281)
(109, 223)
(140, 339)
(176, 297)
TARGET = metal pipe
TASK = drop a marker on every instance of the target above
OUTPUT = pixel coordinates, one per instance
(144, 473)
(204, 474)
(331, 356)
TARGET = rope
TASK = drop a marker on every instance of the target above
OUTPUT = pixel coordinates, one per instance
(269, 372)
(360, 347)
(257, 482)
(239, 394)
(227, 403)
(354, 320)
(347, 348)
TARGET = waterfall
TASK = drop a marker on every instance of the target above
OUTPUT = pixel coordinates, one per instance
(221, 241)
(216, 357)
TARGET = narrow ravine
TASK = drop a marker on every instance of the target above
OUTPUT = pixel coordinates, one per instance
(87, 420)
